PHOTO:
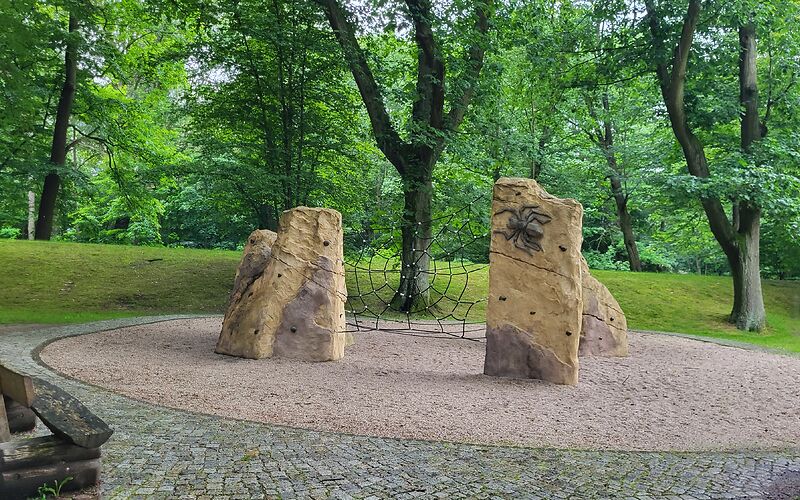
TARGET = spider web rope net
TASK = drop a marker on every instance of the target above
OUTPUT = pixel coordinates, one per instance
(374, 272)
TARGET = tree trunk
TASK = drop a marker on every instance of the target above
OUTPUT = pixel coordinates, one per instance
(739, 239)
(413, 292)
(58, 151)
(414, 160)
(605, 140)
(626, 224)
(748, 86)
(267, 218)
(748, 303)
(31, 214)
(537, 162)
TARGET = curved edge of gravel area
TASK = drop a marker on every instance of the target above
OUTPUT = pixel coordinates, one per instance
(78, 330)
(105, 325)
(724, 342)
(116, 324)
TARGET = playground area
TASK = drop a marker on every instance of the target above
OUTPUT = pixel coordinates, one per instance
(342, 366)
(669, 394)
(158, 452)
(366, 249)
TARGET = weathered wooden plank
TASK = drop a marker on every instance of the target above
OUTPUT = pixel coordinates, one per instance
(66, 417)
(16, 386)
(45, 450)
(20, 419)
(24, 483)
(5, 432)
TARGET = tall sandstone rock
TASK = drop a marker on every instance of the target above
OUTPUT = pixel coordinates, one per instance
(534, 312)
(295, 308)
(604, 331)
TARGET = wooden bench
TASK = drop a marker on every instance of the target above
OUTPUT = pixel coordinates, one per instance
(73, 450)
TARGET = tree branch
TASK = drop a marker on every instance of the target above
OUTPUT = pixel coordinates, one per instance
(386, 136)
(475, 56)
(672, 85)
(428, 107)
(83, 135)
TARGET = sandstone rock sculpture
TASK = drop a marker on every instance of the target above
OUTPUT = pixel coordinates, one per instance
(296, 307)
(604, 331)
(254, 261)
(534, 313)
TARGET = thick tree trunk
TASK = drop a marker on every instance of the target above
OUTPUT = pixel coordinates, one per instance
(748, 87)
(413, 292)
(626, 224)
(748, 304)
(58, 152)
(414, 160)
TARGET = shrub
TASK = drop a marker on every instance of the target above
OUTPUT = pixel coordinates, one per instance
(9, 233)
(605, 261)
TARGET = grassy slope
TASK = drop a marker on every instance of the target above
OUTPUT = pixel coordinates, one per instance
(700, 305)
(113, 281)
(108, 281)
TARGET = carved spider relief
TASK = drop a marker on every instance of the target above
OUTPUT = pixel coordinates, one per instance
(524, 227)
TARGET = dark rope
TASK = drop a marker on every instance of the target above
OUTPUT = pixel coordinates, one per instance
(374, 269)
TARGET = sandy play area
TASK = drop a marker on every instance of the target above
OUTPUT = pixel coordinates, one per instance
(670, 394)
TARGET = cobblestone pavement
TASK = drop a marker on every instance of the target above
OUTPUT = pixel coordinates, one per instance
(163, 453)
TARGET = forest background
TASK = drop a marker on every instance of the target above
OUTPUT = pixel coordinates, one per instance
(190, 123)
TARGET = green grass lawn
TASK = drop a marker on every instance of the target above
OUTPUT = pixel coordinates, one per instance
(50, 282)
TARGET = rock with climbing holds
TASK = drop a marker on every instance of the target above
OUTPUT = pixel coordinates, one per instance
(535, 292)
(296, 307)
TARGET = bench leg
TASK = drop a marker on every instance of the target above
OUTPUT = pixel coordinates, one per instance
(20, 418)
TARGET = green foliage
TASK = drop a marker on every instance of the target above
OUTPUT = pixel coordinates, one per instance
(47, 490)
(607, 260)
(655, 257)
(27, 32)
(275, 127)
(762, 175)
(9, 233)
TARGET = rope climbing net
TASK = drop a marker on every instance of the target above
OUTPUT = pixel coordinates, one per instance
(443, 269)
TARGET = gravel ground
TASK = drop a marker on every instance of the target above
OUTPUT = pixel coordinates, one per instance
(671, 393)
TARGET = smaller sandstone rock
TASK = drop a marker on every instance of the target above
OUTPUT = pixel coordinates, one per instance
(604, 331)
(255, 255)
(241, 302)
